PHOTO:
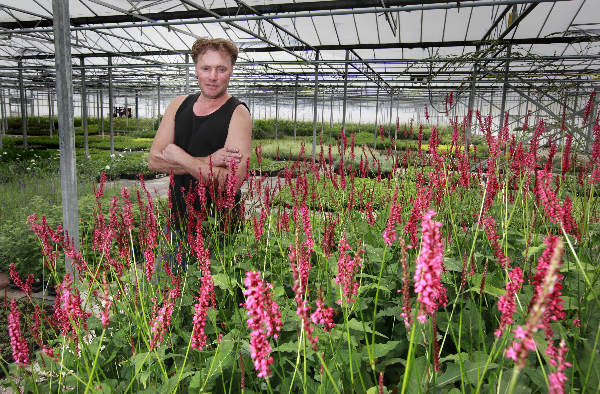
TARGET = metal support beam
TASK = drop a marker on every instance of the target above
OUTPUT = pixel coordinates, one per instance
(101, 103)
(376, 118)
(331, 113)
(345, 103)
(315, 116)
(50, 111)
(471, 101)
(276, 111)
(295, 106)
(22, 99)
(591, 121)
(2, 130)
(359, 111)
(137, 111)
(158, 99)
(111, 120)
(66, 128)
(504, 89)
(84, 109)
(187, 74)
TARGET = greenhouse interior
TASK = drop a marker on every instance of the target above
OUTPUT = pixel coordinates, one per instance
(382, 196)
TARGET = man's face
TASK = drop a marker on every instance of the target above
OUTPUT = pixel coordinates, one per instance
(213, 69)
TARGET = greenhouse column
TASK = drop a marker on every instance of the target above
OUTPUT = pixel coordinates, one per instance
(391, 113)
(314, 141)
(376, 114)
(187, 74)
(4, 114)
(360, 110)
(66, 129)
(591, 121)
(504, 89)
(158, 100)
(101, 112)
(276, 111)
(111, 125)
(295, 105)
(323, 111)
(22, 99)
(37, 104)
(345, 91)
(251, 95)
(50, 111)
(126, 114)
(84, 109)
(472, 98)
(2, 128)
(331, 112)
(137, 110)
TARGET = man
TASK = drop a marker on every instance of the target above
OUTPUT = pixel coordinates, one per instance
(201, 133)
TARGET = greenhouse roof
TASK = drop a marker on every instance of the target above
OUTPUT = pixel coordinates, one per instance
(403, 47)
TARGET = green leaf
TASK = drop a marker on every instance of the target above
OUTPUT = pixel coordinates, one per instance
(417, 375)
(471, 370)
(382, 349)
(488, 288)
(358, 326)
(291, 347)
(374, 286)
(196, 382)
(452, 264)
(221, 281)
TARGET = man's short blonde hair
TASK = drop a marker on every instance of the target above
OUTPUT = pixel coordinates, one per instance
(218, 44)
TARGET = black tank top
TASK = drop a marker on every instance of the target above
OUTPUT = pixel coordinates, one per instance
(199, 136)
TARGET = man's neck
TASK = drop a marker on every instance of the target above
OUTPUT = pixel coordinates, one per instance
(207, 102)
(205, 105)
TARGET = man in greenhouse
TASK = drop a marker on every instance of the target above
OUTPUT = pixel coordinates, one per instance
(204, 136)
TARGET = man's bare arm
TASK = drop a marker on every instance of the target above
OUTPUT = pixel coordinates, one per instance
(165, 135)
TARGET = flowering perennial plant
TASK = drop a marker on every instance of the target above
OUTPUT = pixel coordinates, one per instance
(264, 321)
(348, 267)
(17, 340)
(431, 294)
(506, 303)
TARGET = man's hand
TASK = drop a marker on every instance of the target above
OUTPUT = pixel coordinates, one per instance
(222, 157)
(172, 154)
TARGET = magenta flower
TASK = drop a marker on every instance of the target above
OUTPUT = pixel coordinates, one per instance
(323, 315)
(347, 269)
(389, 234)
(554, 309)
(544, 304)
(490, 230)
(206, 300)
(162, 319)
(506, 303)
(547, 198)
(67, 308)
(557, 379)
(428, 285)
(17, 340)
(307, 227)
(264, 321)
(25, 286)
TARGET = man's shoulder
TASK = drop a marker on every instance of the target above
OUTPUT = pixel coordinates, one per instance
(241, 111)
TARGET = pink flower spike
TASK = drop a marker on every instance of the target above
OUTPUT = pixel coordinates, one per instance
(506, 303)
(428, 285)
(17, 340)
(264, 321)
